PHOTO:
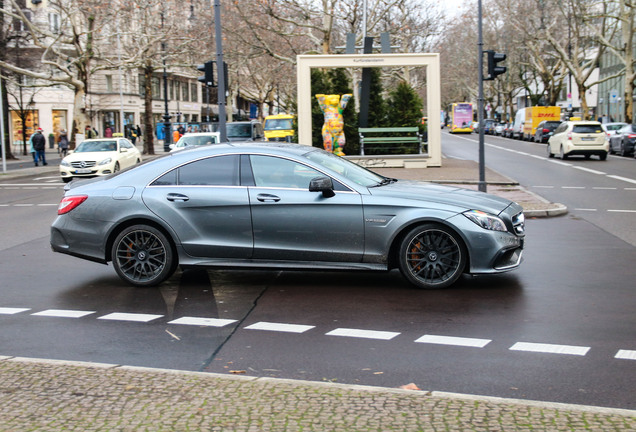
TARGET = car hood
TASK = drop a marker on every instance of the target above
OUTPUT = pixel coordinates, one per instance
(431, 192)
(96, 156)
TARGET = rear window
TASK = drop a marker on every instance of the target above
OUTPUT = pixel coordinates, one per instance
(587, 129)
(551, 124)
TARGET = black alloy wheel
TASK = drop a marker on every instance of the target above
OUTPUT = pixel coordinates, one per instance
(432, 256)
(143, 256)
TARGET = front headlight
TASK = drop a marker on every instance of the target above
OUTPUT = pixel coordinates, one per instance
(106, 161)
(485, 220)
(65, 163)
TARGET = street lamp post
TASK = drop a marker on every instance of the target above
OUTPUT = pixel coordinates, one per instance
(167, 138)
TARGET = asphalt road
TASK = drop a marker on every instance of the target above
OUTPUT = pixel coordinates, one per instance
(603, 193)
(560, 328)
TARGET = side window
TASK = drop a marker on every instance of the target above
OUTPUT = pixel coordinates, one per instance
(213, 171)
(281, 173)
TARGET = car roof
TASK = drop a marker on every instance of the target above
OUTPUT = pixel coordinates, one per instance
(202, 134)
(102, 139)
(584, 122)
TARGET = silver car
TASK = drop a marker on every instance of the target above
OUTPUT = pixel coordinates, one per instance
(286, 206)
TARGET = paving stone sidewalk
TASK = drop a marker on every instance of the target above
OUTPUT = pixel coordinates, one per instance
(40, 395)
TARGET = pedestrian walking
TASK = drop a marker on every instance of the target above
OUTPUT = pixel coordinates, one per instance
(63, 143)
(32, 150)
(39, 144)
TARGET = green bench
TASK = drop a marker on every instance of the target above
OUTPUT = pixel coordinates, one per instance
(374, 136)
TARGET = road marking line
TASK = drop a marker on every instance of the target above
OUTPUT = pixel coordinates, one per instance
(365, 334)
(604, 188)
(550, 348)
(622, 211)
(120, 316)
(622, 178)
(62, 313)
(590, 170)
(626, 355)
(585, 209)
(23, 205)
(12, 311)
(451, 340)
(280, 327)
(544, 187)
(47, 205)
(630, 189)
(559, 162)
(572, 187)
(208, 322)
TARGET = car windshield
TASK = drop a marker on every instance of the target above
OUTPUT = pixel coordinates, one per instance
(278, 124)
(239, 130)
(96, 146)
(591, 128)
(346, 169)
(196, 140)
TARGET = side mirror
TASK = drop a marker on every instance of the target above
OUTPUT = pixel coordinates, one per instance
(171, 146)
(322, 184)
(123, 150)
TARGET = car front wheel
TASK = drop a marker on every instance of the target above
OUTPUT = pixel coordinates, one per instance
(142, 256)
(432, 256)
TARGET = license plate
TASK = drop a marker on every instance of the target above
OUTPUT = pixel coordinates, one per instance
(587, 138)
(83, 171)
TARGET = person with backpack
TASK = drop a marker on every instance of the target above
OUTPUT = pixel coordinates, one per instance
(39, 144)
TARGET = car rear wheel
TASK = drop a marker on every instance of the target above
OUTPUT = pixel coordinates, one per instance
(549, 149)
(142, 256)
(432, 256)
(116, 167)
(562, 154)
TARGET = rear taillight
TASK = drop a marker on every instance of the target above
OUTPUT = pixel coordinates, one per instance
(546, 130)
(631, 136)
(569, 135)
(69, 203)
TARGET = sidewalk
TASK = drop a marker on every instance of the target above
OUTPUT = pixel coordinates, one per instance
(53, 396)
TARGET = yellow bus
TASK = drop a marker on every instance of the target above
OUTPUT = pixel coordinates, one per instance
(461, 117)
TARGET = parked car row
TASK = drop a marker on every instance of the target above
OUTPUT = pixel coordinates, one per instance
(575, 137)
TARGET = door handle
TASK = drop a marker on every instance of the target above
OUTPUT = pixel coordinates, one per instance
(267, 198)
(177, 197)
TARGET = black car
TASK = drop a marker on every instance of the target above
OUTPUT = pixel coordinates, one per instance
(545, 129)
(623, 141)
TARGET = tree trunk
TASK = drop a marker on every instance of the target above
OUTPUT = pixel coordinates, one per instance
(80, 119)
(149, 132)
(627, 33)
(5, 120)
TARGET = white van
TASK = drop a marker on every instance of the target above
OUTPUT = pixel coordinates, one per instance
(517, 128)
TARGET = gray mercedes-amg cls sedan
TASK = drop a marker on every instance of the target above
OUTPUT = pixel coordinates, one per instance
(287, 206)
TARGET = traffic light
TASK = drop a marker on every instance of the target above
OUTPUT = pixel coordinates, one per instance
(493, 69)
(208, 69)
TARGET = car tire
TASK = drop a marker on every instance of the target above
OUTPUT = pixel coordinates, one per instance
(549, 150)
(432, 256)
(67, 179)
(143, 256)
(623, 152)
(602, 156)
(562, 154)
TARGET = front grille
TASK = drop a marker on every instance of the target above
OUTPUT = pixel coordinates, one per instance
(83, 164)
